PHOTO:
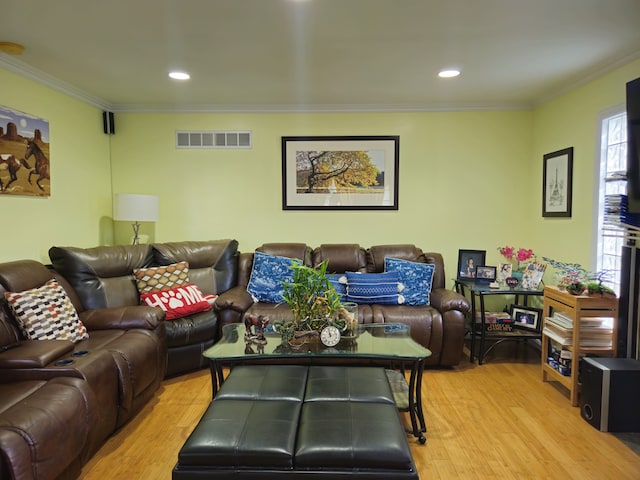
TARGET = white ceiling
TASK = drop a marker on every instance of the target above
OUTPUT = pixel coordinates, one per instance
(288, 55)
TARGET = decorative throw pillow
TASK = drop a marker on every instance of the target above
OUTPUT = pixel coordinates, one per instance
(382, 288)
(154, 279)
(339, 282)
(178, 302)
(46, 313)
(267, 275)
(416, 277)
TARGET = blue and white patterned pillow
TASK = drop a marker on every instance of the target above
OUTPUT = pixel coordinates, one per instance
(416, 277)
(382, 288)
(267, 275)
(339, 282)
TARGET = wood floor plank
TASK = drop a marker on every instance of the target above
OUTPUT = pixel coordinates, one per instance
(494, 421)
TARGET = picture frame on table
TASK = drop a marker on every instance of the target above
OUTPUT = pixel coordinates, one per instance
(505, 270)
(526, 318)
(340, 172)
(557, 181)
(486, 273)
(468, 261)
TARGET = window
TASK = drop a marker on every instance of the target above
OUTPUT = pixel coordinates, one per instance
(612, 184)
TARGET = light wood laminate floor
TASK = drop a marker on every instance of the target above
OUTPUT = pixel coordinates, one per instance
(494, 421)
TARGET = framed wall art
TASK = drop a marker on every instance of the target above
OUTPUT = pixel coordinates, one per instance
(526, 318)
(340, 173)
(468, 261)
(557, 183)
(24, 154)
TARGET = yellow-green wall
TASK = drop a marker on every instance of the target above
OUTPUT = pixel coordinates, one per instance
(456, 178)
(573, 120)
(80, 198)
(470, 180)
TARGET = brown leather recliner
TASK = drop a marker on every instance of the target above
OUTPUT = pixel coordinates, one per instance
(103, 278)
(121, 365)
(438, 326)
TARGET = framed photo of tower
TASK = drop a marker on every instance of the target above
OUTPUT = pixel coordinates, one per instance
(557, 183)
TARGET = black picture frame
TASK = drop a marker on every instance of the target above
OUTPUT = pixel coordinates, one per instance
(338, 153)
(526, 318)
(557, 183)
(466, 271)
(486, 273)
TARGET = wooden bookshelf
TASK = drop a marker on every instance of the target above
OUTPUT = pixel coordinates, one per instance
(576, 307)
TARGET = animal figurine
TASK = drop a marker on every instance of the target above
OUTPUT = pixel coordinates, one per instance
(255, 325)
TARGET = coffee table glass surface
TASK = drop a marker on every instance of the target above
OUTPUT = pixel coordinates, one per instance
(384, 344)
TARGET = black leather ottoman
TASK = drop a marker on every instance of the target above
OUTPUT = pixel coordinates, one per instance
(272, 421)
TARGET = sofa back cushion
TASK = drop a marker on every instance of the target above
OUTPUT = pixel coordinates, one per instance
(17, 276)
(291, 250)
(213, 265)
(102, 276)
(342, 257)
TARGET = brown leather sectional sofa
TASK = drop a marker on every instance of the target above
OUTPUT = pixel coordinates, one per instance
(60, 400)
(438, 326)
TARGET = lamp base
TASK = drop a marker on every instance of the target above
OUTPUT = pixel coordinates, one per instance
(136, 233)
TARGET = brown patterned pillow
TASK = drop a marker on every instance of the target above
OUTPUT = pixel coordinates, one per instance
(156, 279)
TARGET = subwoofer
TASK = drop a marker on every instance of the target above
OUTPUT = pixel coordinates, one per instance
(610, 393)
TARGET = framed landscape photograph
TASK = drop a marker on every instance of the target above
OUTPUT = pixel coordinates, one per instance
(340, 173)
(526, 318)
(468, 261)
(557, 183)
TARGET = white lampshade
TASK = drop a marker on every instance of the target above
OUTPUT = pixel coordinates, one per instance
(135, 208)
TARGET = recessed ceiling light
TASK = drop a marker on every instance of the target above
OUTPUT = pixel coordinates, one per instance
(179, 75)
(449, 73)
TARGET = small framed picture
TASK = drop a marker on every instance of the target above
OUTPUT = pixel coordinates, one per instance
(557, 183)
(526, 318)
(504, 272)
(468, 260)
(486, 273)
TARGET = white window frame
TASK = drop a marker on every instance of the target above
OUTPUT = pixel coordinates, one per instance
(605, 233)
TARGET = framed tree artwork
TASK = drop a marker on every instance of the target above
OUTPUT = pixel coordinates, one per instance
(340, 173)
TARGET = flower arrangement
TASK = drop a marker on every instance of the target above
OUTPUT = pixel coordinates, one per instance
(575, 279)
(519, 256)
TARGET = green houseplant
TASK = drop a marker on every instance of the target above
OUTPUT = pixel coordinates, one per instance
(313, 301)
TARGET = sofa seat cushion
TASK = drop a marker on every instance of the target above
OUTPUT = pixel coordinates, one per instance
(358, 435)
(284, 382)
(355, 384)
(244, 433)
(192, 329)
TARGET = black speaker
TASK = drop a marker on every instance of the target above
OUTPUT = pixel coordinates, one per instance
(108, 123)
(610, 393)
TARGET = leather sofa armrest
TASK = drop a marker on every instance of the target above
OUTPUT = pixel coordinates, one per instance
(123, 318)
(445, 300)
(34, 353)
(236, 298)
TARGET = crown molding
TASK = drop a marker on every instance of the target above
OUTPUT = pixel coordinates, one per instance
(16, 66)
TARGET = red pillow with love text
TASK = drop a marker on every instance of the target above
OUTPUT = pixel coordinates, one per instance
(178, 302)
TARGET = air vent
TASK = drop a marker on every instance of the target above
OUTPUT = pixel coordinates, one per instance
(213, 139)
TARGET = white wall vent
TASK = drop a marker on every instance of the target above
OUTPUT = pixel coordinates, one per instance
(213, 139)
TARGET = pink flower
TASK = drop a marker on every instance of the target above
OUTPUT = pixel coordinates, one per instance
(524, 255)
(507, 252)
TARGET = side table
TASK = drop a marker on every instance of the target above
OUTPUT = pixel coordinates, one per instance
(479, 291)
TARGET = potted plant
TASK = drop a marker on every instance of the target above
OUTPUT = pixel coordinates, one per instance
(313, 301)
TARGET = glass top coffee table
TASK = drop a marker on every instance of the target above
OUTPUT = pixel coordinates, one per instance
(387, 345)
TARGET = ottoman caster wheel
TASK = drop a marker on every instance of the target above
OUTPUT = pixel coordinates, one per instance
(422, 439)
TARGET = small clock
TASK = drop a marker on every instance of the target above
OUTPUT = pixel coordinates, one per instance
(330, 336)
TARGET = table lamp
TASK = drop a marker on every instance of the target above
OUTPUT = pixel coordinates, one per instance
(135, 208)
